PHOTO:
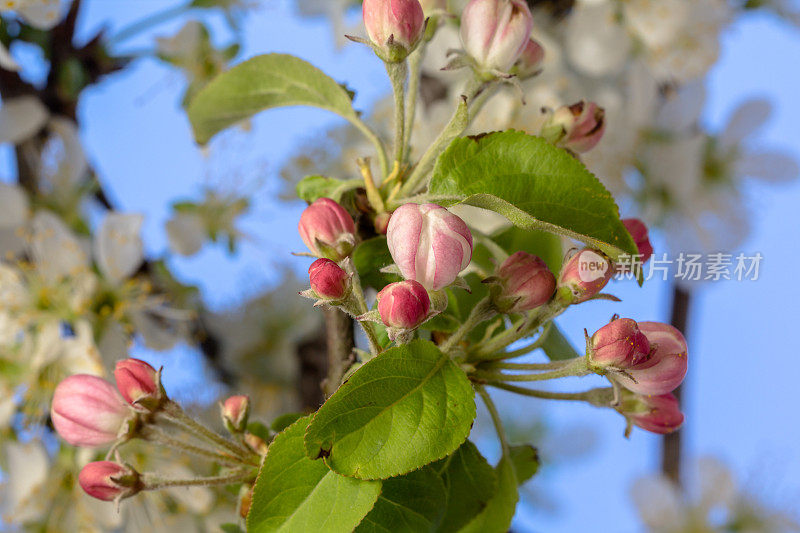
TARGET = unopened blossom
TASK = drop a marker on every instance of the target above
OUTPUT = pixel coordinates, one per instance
(139, 383)
(525, 283)
(495, 32)
(394, 26)
(88, 411)
(658, 414)
(328, 280)
(619, 344)
(235, 411)
(327, 229)
(577, 127)
(429, 244)
(107, 480)
(641, 237)
(584, 275)
(530, 61)
(666, 367)
(403, 305)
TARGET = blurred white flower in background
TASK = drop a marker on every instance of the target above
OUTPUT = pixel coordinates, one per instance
(41, 14)
(713, 503)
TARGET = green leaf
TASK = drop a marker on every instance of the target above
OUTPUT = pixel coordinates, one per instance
(497, 515)
(533, 184)
(311, 188)
(470, 482)
(369, 257)
(260, 83)
(525, 459)
(231, 528)
(407, 407)
(410, 503)
(556, 345)
(294, 493)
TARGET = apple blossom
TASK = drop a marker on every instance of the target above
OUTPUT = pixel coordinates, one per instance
(619, 344)
(584, 275)
(530, 62)
(658, 414)
(139, 383)
(429, 244)
(88, 411)
(666, 367)
(495, 32)
(639, 232)
(107, 481)
(525, 282)
(403, 305)
(577, 127)
(394, 26)
(235, 412)
(327, 229)
(328, 280)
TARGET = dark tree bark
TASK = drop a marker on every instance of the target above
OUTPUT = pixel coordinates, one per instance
(671, 450)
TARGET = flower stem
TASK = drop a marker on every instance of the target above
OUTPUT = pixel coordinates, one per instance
(160, 437)
(415, 73)
(498, 424)
(493, 349)
(458, 123)
(482, 311)
(361, 301)
(398, 72)
(154, 482)
(576, 367)
(597, 397)
(553, 365)
(176, 413)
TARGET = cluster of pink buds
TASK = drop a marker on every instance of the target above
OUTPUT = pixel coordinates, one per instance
(327, 230)
(88, 411)
(429, 244)
(395, 27)
(495, 33)
(577, 127)
(522, 283)
(650, 360)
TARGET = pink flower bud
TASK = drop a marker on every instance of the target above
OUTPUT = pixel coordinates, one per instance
(139, 383)
(429, 244)
(328, 280)
(530, 62)
(640, 235)
(526, 283)
(584, 275)
(619, 344)
(327, 229)
(394, 26)
(403, 305)
(578, 127)
(495, 32)
(108, 481)
(235, 412)
(88, 411)
(658, 414)
(666, 367)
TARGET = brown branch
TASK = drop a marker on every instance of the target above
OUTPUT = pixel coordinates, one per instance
(671, 450)
(340, 343)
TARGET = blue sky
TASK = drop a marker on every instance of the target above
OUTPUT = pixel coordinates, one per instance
(741, 402)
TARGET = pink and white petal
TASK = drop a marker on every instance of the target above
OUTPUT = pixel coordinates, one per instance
(744, 121)
(118, 246)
